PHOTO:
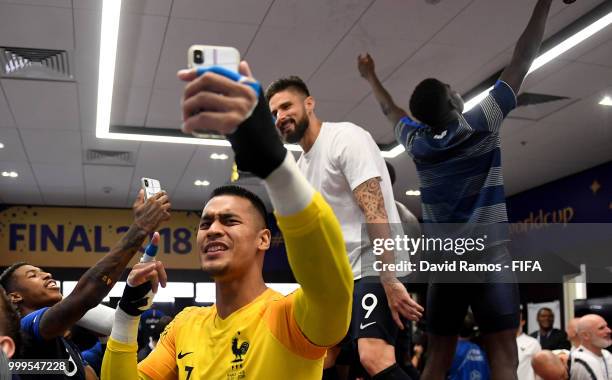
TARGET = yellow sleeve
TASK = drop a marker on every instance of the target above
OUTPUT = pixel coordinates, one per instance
(317, 256)
(120, 359)
(120, 362)
(280, 318)
(161, 362)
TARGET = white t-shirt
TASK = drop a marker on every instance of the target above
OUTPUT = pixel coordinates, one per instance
(601, 366)
(527, 347)
(343, 157)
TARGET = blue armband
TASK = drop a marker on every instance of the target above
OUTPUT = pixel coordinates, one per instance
(230, 75)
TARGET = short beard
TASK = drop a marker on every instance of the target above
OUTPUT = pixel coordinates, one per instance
(214, 270)
(602, 342)
(300, 130)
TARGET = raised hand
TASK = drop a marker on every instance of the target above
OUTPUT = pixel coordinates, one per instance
(141, 286)
(233, 104)
(365, 64)
(215, 102)
(149, 214)
(152, 271)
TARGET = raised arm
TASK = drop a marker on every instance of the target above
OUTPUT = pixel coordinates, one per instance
(97, 282)
(313, 237)
(316, 253)
(527, 47)
(392, 111)
(120, 358)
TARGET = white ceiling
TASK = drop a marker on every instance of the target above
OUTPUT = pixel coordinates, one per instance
(46, 126)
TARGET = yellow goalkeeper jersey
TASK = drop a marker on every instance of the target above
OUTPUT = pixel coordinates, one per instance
(274, 336)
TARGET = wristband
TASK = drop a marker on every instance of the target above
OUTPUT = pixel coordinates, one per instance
(236, 77)
(256, 143)
(135, 300)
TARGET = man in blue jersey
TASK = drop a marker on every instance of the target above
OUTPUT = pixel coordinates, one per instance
(458, 160)
(470, 361)
(47, 315)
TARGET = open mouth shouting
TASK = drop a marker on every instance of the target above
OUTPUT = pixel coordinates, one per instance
(52, 284)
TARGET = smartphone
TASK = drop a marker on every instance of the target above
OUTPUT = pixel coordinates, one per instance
(207, 55)
(150, 186)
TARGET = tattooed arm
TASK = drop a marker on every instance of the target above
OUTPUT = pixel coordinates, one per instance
(97, 282)
(370, 198)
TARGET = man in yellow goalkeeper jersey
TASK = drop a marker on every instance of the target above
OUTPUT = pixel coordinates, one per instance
(252, 332)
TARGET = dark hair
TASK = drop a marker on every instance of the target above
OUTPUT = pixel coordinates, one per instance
(429, 102)
(6, 278)
(391, 171)
(242, 193)
(282, 84)
(469, 326)
(544, 308)
(9, 320)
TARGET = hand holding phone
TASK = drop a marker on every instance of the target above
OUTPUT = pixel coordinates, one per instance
(203, 57)
(150, 186)
(151, 207)
(244, 118)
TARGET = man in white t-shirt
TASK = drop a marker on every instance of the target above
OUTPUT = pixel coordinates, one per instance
(591, 361)
(343, 162)
(527, 347)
